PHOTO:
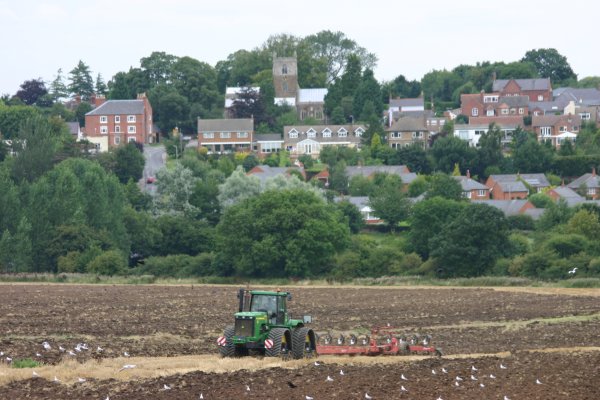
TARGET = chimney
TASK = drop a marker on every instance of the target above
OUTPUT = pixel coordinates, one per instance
(593, 171)
(468, 174)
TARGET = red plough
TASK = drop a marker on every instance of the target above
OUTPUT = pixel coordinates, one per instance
(382, 341)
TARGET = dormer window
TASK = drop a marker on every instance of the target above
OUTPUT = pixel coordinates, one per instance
(311, 133)
(326, 132)
(342, 132)
(359, 132)
(293, 134)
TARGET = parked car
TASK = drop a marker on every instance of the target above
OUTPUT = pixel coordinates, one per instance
(150, 179)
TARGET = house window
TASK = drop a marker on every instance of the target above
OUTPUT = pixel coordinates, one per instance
(103, 119)
(117, 128)
(540, 97)
(395, 145)
(342, 133)
(293, 134)
(467, 195)
(270, 147)
(242, 135)
(479, 132)
(311, 133)
(562, 129)
(131, 129)
(225, 135)
(417, 135)
(117, 140)
(395, 135)
(131, 118)
(285, 86)
(546, 130)
(591, 191)
(359, 132)
(117, 119)
(104, 129)
(208, 135)
(284, 69)
(575, 128)
(504, 111)
(326, 132)
(481, 193)
(490, 113)
(513, 111)
(585, 116)
(318, 114)
(131, 139)
(433, 122)
(521, 110)
(475, 112)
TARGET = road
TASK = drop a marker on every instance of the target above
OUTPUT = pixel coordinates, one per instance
(156, 158)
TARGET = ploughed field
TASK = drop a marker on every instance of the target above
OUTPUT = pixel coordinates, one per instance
(169, 334)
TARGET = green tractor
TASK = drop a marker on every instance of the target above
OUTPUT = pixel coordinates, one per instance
(263, 326)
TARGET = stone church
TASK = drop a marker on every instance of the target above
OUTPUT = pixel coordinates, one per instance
(309, 103)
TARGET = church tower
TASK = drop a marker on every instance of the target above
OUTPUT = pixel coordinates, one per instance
(285, 79)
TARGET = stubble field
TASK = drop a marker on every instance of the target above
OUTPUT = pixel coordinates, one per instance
(169, 334)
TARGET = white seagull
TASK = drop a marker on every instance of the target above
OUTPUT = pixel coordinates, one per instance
(201, 397)
(35, 374)
(506, 398)
(56, 380)
(473, 378)
(481, 385)
(317, 364)
(107, 398)
(166, 387)
(538, 382)
(127, 366)
(444, 370)
(403, 389)
(433, 372)
(62, 349)
(309, 397)
(572, 272)
(126, 354)
(81, 380)
(38, 355)
(8, 359)
(329, 379)
(341, 372)
(99, 349)
(473, 368)
(439, 398)
(403, 377)
(71, 353)
(456, 384)
(458, 378)
(367, 396)
(46, 345)
(492, 376)
(502, 366)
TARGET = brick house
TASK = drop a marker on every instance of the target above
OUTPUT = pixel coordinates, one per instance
(536, 89)
(370, 171)
(567, 194)
(226, 135)
(115, 122)
(472, 189)
(493, 105)
(307, 139)
(514, 186)
(514, 207)
(587, 183)
(556, 128)
(406, 131)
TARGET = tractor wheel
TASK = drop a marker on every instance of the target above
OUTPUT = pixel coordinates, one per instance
(303, 343)
(282, 344)
(229, 349)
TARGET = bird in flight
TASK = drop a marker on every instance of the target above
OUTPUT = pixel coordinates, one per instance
(572, 272)
(127, 366)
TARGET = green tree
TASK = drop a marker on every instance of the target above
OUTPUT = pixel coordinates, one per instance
(352, 214)
(471, 243)
(129, 163)
(298, 237)
(83, 108)
(338, 178)
(428, 217)
(414, 157)
(111, 262)
(100, 87)
(12, 117)
(389, 202)
(174, 189)
(442, 185)
(418, 186)
(81, 82)
(157, 67)
(529, 156)
(449, 150)
(368, 90)
(489, 152)
(58, 89)
(238, 187)
(182, 235)
(551, 64)
(337, 116)
(585, 223)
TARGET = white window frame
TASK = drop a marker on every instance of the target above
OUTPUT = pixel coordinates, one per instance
(481, 192)
(326, 133)
(359, 132)
(208, 135)
(475, 112)
(117, 128)
(467, 194)
(130, 118)
(293, 134)
(242, 135)
(417, 135)
(225, 135)
(521, 111)
(311, 133)
(131, 129)
(104, 130)
(490, 113)
(395, 135)
(103, 119)
(540, 97)
(342, 132)
(591, 191)
(117, 119)
(585, 116)
(562, 129)
(117, 140)
(504, 111)
(545, 131)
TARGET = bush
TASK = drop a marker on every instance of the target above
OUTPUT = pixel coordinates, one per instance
(179, 265)
(519, 244)
(521, 222)
(25, 363)
(111, 262)
(566, 245)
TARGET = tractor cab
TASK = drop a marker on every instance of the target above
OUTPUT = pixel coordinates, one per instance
(273, 304)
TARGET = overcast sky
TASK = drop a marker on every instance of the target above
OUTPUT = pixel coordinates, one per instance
(409, 38)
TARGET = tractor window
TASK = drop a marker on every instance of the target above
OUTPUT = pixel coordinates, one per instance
(264, 303)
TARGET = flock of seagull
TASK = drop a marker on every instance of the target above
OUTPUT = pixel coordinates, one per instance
(459, 381)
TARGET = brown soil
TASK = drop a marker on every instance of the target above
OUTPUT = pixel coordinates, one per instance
(153, 321)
